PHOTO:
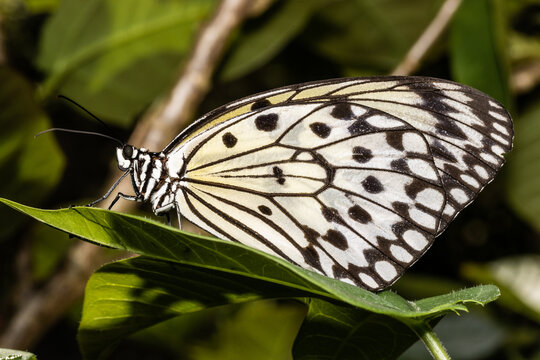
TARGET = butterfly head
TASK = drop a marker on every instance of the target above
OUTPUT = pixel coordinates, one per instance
(125, 156)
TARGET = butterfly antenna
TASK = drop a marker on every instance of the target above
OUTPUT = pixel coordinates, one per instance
(80, 132)
(89, 113)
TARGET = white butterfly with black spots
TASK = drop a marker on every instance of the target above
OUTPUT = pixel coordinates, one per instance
(352, 178)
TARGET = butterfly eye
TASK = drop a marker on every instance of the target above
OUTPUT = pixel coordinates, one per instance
(127, 151)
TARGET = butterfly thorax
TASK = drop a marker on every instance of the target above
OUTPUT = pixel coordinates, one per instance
(150, 177)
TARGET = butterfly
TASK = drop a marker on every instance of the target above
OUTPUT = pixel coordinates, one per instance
(352, 178)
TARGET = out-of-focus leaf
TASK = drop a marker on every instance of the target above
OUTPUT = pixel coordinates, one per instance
(523, 173)
(38, 6)
(259, 330)
(524, 40)
(30, 167)
(256, 46)
(369, 35)
(519, 279)
(178, 334)
(8, 354)
(471, 337)
(524, 48)
(337, 332)
(114, 57)
(182, 273)
(477, 51)
(242, 331)
(48, 248)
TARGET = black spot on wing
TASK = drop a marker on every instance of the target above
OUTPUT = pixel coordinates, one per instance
(357, 213)
(372, 185)
(266, 122)
(395, 139)
(229, 140)
(361, 126)
(401, 166)
(361, 154)
(311, 257)
(309, 253)
(342, 111)
(320, 129)
(278, 173)
(401, 208)
(260, 104)
(336, 238)
(265, 210)
(331, 215)
(310, 234)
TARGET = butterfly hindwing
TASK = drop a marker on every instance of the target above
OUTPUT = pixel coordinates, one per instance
(355, 197)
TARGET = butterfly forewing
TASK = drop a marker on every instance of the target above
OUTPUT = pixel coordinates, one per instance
(352, 178)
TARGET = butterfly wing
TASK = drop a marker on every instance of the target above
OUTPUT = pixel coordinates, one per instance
(353, 178)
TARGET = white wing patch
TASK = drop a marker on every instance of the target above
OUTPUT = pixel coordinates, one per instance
(352, 178)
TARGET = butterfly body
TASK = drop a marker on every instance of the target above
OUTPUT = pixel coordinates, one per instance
(352, 178)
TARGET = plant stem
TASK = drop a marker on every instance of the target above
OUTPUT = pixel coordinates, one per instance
(430, 339)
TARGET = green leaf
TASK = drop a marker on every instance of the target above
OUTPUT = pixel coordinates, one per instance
(256, 46)
(101, 52)
(201, 272)
(371, 36)
(340, 332)
(30, 167)
(8, 354)
(262, 330)
(40, 6)
(523, 185)
(179, 334)
(477, 51)
(255, 330)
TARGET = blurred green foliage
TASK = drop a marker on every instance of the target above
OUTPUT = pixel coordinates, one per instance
(100, 52)
(30, 168)
(524, 176)
(478, 50)
(116, 57)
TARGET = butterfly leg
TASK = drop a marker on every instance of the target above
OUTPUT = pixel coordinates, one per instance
(168, 216)
(108, 192)
(123, 196)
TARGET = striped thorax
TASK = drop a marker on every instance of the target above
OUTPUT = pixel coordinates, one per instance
(150, 177)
